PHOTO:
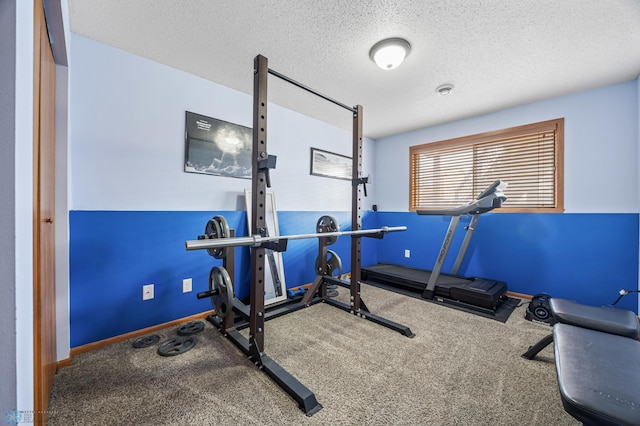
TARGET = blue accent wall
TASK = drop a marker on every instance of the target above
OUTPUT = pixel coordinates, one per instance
(586, 257)
(114, 253)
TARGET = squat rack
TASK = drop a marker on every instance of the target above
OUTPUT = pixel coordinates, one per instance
(262, 162)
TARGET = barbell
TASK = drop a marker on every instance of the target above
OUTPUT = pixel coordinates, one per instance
(258, 240)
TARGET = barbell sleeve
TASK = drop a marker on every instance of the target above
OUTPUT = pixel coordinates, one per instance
(208, 293)
(258, 240)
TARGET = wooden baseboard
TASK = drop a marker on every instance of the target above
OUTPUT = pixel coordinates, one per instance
(519, 295)
(63, 363)
(116, 339)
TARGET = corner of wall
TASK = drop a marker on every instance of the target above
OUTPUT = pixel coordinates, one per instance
(638, 159)
(8, 171)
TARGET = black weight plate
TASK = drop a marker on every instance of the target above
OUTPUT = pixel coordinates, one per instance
(212, 230)
(217, 228)
(330, 224)
(177, 345)
(333, 264)
(223, 227)
(220, 280)
(146, 341)
(192, 327)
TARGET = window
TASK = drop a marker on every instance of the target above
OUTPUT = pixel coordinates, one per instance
(529, 158)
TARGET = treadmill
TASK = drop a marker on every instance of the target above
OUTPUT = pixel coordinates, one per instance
(480, 294)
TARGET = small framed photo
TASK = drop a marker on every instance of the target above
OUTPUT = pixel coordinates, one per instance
(329, 164)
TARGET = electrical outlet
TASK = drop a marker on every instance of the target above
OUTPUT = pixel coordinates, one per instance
(147, 292)
(187, 285)
(407, 253)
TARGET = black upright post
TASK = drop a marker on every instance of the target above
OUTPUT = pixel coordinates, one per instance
(258, 202)
(229, 264)
(356, 210)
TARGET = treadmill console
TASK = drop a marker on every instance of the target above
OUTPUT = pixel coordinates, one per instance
(495, 193)
(489, 199)
(497, 187)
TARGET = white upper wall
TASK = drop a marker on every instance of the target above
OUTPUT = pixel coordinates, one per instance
(600, 141)
(127, 142)
(127, 139)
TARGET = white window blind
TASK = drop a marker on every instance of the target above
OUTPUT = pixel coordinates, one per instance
(529, 158)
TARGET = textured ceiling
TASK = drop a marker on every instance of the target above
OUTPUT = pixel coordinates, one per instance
(497, 53)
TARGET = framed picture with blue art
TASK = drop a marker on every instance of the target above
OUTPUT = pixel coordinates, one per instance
(217, 147)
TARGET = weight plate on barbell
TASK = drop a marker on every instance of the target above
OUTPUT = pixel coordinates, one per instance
(212, 230)
(146, 341)
(217, 228)
(333, 264)
(220, 280)
(192, 327)
(224, 226)
(177, 345)
(328, 223)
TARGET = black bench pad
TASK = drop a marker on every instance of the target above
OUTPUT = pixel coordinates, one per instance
(598, 375)
(606, 319)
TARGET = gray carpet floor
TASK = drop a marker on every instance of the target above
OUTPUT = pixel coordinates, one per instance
(459, 369)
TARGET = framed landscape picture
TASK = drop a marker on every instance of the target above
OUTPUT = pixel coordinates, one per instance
(329, 164)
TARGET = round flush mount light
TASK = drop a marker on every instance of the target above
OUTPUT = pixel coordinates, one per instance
(390, 53)
(445, 89)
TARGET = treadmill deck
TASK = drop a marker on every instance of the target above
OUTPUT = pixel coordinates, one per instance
(417, 278)
(481, 292)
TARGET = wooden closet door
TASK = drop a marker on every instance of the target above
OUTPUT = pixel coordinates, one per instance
(44, 303)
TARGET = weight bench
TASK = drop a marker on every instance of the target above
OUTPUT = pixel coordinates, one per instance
(598, 375)
(604, 319)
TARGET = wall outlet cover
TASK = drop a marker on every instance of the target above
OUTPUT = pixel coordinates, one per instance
(147, 292)
(187, 285)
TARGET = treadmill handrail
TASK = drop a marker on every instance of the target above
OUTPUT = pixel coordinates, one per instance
(489, 199)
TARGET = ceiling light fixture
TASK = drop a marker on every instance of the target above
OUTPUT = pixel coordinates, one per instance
(390, 53)
(445, 89)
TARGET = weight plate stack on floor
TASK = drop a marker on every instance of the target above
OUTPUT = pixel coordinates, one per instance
(192, 327)
(146, 341)
(177, 345)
